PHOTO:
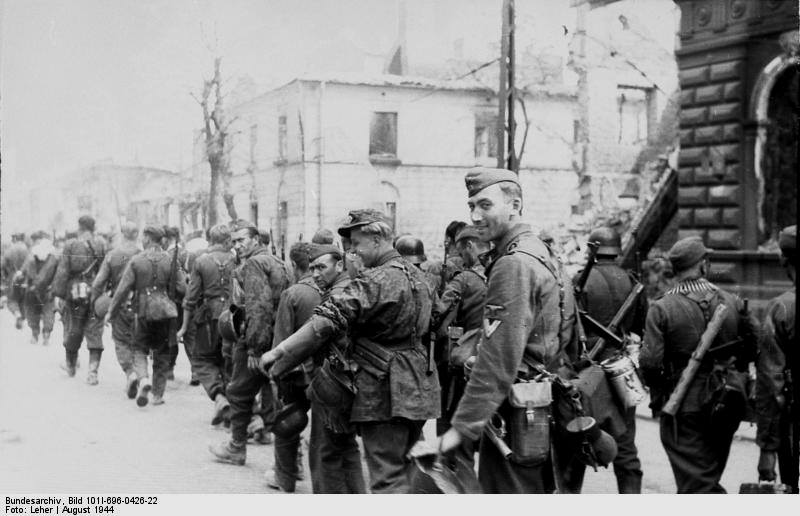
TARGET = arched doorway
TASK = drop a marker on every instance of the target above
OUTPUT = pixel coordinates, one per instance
(777, 112)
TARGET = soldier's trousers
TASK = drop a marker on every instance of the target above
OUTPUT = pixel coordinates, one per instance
(334, 460)
(386, 446)
(152, 336)
(698, 449)
(241, 394)
(788, 451)
(627, 466)
(208, 364)
(188, 339)
(122, 334)
(79, 322)
(39, 313)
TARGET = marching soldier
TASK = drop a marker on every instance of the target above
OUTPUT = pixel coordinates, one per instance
(261, 278)
(606, 289)
(777, 368)
(527, 325)
(13, 259)
(108, 277)
(386, 312)
(295, 307)
(149, 274)
(39, 269)
(76, 270)
(180, 257)
(698, 438)
(333, 455)
(208, 295)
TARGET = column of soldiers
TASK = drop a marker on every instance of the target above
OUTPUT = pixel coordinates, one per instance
(497, 344)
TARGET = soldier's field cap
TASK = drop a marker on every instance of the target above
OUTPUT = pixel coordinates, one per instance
(360, 218)
(787, 240)
(240, 224)
(479, 178)
(155, 232)
(467, 232)
(687, 252)
(317, 250)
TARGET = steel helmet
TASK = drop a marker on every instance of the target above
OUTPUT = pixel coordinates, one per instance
(609, 240)
(411, 248)
(290, 420)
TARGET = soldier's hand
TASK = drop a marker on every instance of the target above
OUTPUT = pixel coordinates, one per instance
(766, 466)
(449, 441)
(269, 358)
(59, 304)
(181, 333)
(252, 364)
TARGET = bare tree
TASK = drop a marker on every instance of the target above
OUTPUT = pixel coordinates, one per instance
(216, 131)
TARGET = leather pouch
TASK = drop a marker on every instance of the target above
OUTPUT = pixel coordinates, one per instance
(529, 421)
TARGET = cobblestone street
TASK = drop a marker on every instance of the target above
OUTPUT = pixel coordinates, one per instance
(60, 435)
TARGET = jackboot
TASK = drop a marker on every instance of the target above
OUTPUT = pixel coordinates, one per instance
(45, 338)
(229, 452)
(94, 363)
(132, 385)
(71, 363)
(142, 396)
(222, 409)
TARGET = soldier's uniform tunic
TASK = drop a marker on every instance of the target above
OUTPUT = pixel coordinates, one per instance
(606, 289)
(107, 279)
(262, 278)
(13, 259)
(467, 290)
(777, 398)
(294, 309)
(149, 269)
(696, 443)
(78, 316)
(208, 295)
(39, 307)
(333, 457)
(527, 320)
(385, 311)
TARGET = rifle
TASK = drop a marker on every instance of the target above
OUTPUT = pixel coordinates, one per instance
(272, 243)
(617, 320)
(443, 271)
(689, 372)
(173, 272)
(590, 261)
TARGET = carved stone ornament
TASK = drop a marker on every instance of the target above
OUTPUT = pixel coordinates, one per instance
(703, 15)
(738, 8)
(790, 43)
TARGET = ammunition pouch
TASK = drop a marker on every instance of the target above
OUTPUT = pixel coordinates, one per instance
(465, 347)
(528, 424)
(373, 358)
(332, 392)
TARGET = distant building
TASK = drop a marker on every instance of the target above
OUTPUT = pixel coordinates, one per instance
(308, 152)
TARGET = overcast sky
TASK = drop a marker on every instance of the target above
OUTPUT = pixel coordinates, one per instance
(87, 80)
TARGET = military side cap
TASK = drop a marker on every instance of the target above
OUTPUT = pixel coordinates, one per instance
(467, 232)
(317, 250)
(155, 232)
(479, 178)
(360, 218)
(240, 224)
(787, 240)
(687, 252)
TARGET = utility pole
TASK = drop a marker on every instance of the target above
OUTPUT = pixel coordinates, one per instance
(506, 125)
